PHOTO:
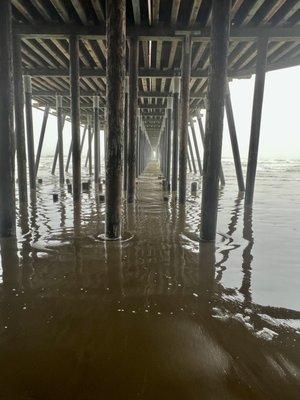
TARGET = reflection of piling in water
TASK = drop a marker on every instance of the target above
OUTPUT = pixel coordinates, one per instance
(10, 263)
(247, 256)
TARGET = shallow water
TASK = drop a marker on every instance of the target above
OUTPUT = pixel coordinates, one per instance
(160, 315)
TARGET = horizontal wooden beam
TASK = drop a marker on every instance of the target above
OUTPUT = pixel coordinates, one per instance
(90, 93)
(101, 73)
(158, 32)
(155, 73)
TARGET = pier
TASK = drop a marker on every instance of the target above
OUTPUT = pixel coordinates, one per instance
(112, 265)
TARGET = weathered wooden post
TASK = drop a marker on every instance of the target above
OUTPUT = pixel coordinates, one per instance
(132, 115)
(41, 139)
(70, 149)
(169, 128)
(89, 124)
(115, 73)
(214, 121)
(60, 139)
(262, 49)
(125, 144)
(7, 169)
(176, 86)
(137, 146)
(191, 153)
(185, 106)
(19, 121)
(196, 145)
(29, 131)
(55, 158)
(96, 139)
(75, 115)
(202, 134)
(234, 141)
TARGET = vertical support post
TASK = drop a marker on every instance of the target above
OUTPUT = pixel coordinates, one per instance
(176, 86)
(169, 128)
(69, 156)
(262, 49)
(41, 139)
(70, 149)
(185, 106)
(56, 151)
(132, 118)
(191, 152)
(137, 147)
(214, 121)
(189, 160)
(7, 171)
(196, 145)
(75, 116)
(115, 73)
(202, 134)
(19, 121)
(125, 156)
(90, 137)
(234, 141)
(29, 131)
(60, 139)
(83, 138)
(96, 139)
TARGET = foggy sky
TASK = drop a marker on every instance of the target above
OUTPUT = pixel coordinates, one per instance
(280, 127)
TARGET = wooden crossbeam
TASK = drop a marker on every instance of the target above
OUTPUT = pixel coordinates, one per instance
(90, 93)
(163, 33)
(154, 73)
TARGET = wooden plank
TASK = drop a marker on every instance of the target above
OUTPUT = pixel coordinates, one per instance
(194, 12)
(42, 9)
(61, 9)
(98, 9)
(136, 11)
(174, 11)
(80, 11)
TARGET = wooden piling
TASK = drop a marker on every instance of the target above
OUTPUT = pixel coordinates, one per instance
(176, 86)
(70, 149)
(137, 145)
(41, 139)
(202, 134)
(168, 144)
(261, 61)
(132, 115)
(115, 74)
(29, 131)
(185, 106)
(7, 172)
(89, 124)
(191, 153)
(55, 158)
(234, 141)
(60, 139)
(196, 146)
(96, 139)
(214, 122)
(75, 115)
(19, 121)
(125, 141)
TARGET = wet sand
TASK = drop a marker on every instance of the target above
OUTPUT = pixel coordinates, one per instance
(160, 316)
